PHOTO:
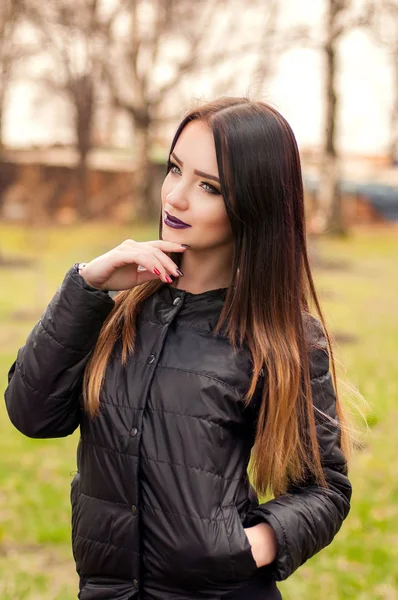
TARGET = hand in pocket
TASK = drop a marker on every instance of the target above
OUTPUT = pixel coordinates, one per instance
(263, 542)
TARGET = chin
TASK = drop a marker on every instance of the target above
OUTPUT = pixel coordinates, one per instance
(174, 237)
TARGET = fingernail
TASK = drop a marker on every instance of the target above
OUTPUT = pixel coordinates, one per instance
(185, 245)
(181, 274)
(169, 279)
(156, 271)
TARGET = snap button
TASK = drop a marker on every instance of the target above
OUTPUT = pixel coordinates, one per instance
(177, 301)
(135, 583)
(151, 358)
(134, 509)
(134, 432)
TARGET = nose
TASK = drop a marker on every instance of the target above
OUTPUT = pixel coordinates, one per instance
(178, 197)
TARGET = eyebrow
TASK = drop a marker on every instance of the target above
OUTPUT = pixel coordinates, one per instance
(201, 173)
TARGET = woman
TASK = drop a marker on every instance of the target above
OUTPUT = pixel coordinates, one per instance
(209, 354)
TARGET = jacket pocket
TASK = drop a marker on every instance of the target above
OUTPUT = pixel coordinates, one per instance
(103, 588)
(242, 559)
(180, 551)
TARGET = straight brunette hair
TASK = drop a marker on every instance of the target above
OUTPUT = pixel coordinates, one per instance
(267, 302)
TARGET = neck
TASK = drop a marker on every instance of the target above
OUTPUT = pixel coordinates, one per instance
(205, 270)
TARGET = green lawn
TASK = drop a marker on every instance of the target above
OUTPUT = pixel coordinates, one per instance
(360, 299)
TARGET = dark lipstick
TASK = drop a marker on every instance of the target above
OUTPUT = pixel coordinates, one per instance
(172, 221)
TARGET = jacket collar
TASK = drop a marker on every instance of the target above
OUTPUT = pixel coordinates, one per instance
(198, 310)
(170, 293)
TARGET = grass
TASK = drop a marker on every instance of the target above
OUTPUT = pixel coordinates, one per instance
(359, 297)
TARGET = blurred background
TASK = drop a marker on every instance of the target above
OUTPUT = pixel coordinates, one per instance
(91, 93)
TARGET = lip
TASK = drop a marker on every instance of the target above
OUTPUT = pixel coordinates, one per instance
(172, 221)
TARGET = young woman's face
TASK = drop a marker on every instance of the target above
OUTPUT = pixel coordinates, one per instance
(191, 191)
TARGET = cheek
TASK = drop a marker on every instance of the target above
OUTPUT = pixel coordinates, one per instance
(213, 215)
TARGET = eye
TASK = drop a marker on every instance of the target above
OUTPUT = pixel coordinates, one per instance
(171, 166)
(211, 189)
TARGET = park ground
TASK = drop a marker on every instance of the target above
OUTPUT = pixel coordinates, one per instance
(357, 282)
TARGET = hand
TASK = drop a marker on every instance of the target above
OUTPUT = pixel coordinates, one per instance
(264, 544)
(118, 269)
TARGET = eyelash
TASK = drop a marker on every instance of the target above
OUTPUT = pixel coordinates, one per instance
(214, 191)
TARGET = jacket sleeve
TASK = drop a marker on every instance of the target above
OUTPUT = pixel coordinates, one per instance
(45, 381)
(308, 517)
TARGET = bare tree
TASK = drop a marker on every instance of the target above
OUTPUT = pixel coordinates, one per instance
(172, 35)
(12, 50)
(384, 27)
(270, 38)
(275, 39)
(74, 35)
(340, 18)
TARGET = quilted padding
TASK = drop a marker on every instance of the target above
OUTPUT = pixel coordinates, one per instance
(161, 497)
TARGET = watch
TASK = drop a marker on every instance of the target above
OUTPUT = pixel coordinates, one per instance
(80, 267)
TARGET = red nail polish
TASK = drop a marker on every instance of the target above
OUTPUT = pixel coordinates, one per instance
(156, 271)
(169, 279)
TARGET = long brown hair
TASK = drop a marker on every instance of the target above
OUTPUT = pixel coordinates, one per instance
(267, 304)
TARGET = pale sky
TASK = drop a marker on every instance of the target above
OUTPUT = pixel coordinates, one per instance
(365, 84)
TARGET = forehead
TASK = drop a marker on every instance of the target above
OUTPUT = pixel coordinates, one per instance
(195, 147)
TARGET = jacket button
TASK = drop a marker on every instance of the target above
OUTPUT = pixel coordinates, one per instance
(177, 301)
(134, 432)
(135, 583)
(151, 358)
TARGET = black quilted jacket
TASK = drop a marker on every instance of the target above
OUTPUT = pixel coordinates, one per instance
(162, 496)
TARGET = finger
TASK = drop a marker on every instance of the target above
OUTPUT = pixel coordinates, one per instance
(145, 275)
(169, 265)
(143, 255)
(167, 246)
(150, 261)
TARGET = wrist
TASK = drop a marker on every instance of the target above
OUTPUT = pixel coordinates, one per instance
(80, 269)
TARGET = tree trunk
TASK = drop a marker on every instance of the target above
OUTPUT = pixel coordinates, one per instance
(2, 104)
(82, 192)
(1, 129)
(83, 97)
(394, 115)
(328, 216)
(147, 206)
